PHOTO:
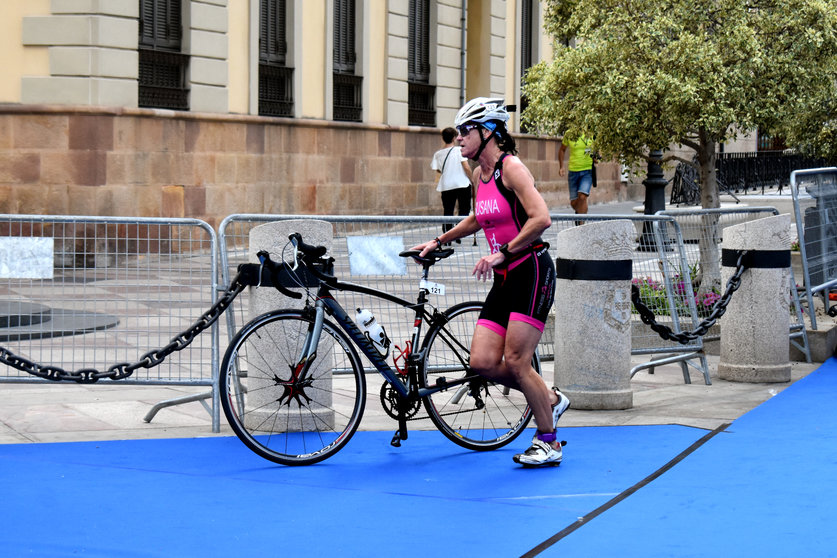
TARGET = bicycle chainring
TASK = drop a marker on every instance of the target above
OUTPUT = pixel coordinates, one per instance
(389, 400)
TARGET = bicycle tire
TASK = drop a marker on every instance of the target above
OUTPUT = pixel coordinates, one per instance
(455, 411)
(285, 423)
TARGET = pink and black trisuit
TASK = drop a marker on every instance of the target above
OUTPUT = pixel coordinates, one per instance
(524, 289)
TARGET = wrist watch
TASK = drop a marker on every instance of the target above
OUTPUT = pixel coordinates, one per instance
(504, 249)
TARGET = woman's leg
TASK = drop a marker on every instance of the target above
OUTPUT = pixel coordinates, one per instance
(585, 184)
(464, 201)
(508, 361)
(448, 205)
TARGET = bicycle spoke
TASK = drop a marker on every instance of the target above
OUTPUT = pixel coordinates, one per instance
(499, 418)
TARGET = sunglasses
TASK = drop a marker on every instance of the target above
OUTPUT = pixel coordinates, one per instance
(465, 129)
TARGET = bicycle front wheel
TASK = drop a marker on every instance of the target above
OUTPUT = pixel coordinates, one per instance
(282, 409)
(479, 415)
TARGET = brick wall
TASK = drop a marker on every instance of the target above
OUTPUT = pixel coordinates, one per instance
(149, 163)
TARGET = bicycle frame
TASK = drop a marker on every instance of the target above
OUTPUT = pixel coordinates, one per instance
(326, 303)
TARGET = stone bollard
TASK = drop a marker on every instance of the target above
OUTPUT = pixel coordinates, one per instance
(756, 326)
(593, 314)
(262, 391)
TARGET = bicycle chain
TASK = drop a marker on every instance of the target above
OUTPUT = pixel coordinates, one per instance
(718, 309)
(124, 369)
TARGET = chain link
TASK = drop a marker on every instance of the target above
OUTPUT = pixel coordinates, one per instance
(718, 309)
(124, 369)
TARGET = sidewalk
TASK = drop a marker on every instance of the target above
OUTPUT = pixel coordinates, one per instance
(50, 412)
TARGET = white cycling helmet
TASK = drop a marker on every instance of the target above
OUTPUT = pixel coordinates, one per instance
(481, 110)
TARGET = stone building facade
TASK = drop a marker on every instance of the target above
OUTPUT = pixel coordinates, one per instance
(75, 138)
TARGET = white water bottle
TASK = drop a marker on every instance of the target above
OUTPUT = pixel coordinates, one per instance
(373, 331)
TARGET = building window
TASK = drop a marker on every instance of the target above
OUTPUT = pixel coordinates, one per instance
(346, 85)
(526, 48)
(275, 77)
(420, 94)
(766, 142)
(526, 54)
(162, 65)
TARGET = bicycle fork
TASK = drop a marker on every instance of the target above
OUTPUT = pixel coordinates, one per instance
(308, 353)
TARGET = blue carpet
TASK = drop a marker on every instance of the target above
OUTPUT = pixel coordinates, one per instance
(765, 487)
(213, 497)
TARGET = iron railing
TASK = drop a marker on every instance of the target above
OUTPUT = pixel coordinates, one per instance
(276, 93)
(347, 97)
(162, 79)
(421, 99)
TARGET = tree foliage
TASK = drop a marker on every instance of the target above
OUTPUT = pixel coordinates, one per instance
(647, 74)
(637, 75)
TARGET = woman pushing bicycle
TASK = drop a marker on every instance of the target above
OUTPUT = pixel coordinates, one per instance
(513, 216)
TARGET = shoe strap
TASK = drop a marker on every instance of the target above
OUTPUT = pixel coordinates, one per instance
(548, 437)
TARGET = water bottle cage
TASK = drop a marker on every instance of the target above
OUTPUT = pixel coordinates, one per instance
(402, 355)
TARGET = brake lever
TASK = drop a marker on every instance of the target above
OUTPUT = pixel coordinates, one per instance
(294, 238)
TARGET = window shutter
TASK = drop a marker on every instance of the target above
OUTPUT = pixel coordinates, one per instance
(418, 63)
(147, 22)
(525, 36)
(344, 55)
(161, 24)
(273, 47)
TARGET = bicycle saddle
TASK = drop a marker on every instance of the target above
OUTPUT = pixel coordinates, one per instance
(430, 258)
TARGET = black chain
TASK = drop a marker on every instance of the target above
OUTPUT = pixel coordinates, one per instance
(124, 369)
(718, 309)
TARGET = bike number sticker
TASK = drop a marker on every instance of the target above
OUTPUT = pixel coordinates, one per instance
(433, 288)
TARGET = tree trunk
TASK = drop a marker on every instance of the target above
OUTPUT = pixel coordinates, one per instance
(710, 259)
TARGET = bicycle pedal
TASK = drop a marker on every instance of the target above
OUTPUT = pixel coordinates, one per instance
(396, 439)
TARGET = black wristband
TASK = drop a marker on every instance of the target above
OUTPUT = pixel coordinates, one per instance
(504, 249)
(438, 243)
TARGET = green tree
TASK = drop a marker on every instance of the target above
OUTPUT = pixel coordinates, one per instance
(647, 74)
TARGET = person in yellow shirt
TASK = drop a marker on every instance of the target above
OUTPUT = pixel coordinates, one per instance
(580, 165)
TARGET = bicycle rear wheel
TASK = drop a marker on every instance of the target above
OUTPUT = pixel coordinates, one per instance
(282, 415)
(480, 415)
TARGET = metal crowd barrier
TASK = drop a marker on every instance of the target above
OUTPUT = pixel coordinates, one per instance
(129, 285)
(455, 273)
(817, 233)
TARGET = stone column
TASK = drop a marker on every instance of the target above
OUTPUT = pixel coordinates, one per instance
(593, 314)
(273, 237)
(756, 325)
(262, 392)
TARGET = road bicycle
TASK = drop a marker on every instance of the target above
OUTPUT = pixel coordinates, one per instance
(294, 387)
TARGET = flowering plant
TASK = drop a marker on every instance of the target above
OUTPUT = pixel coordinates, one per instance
(653, 294)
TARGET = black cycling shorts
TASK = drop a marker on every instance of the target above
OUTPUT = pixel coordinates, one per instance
(524, 293)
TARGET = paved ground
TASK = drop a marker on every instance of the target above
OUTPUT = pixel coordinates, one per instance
(47, 412)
